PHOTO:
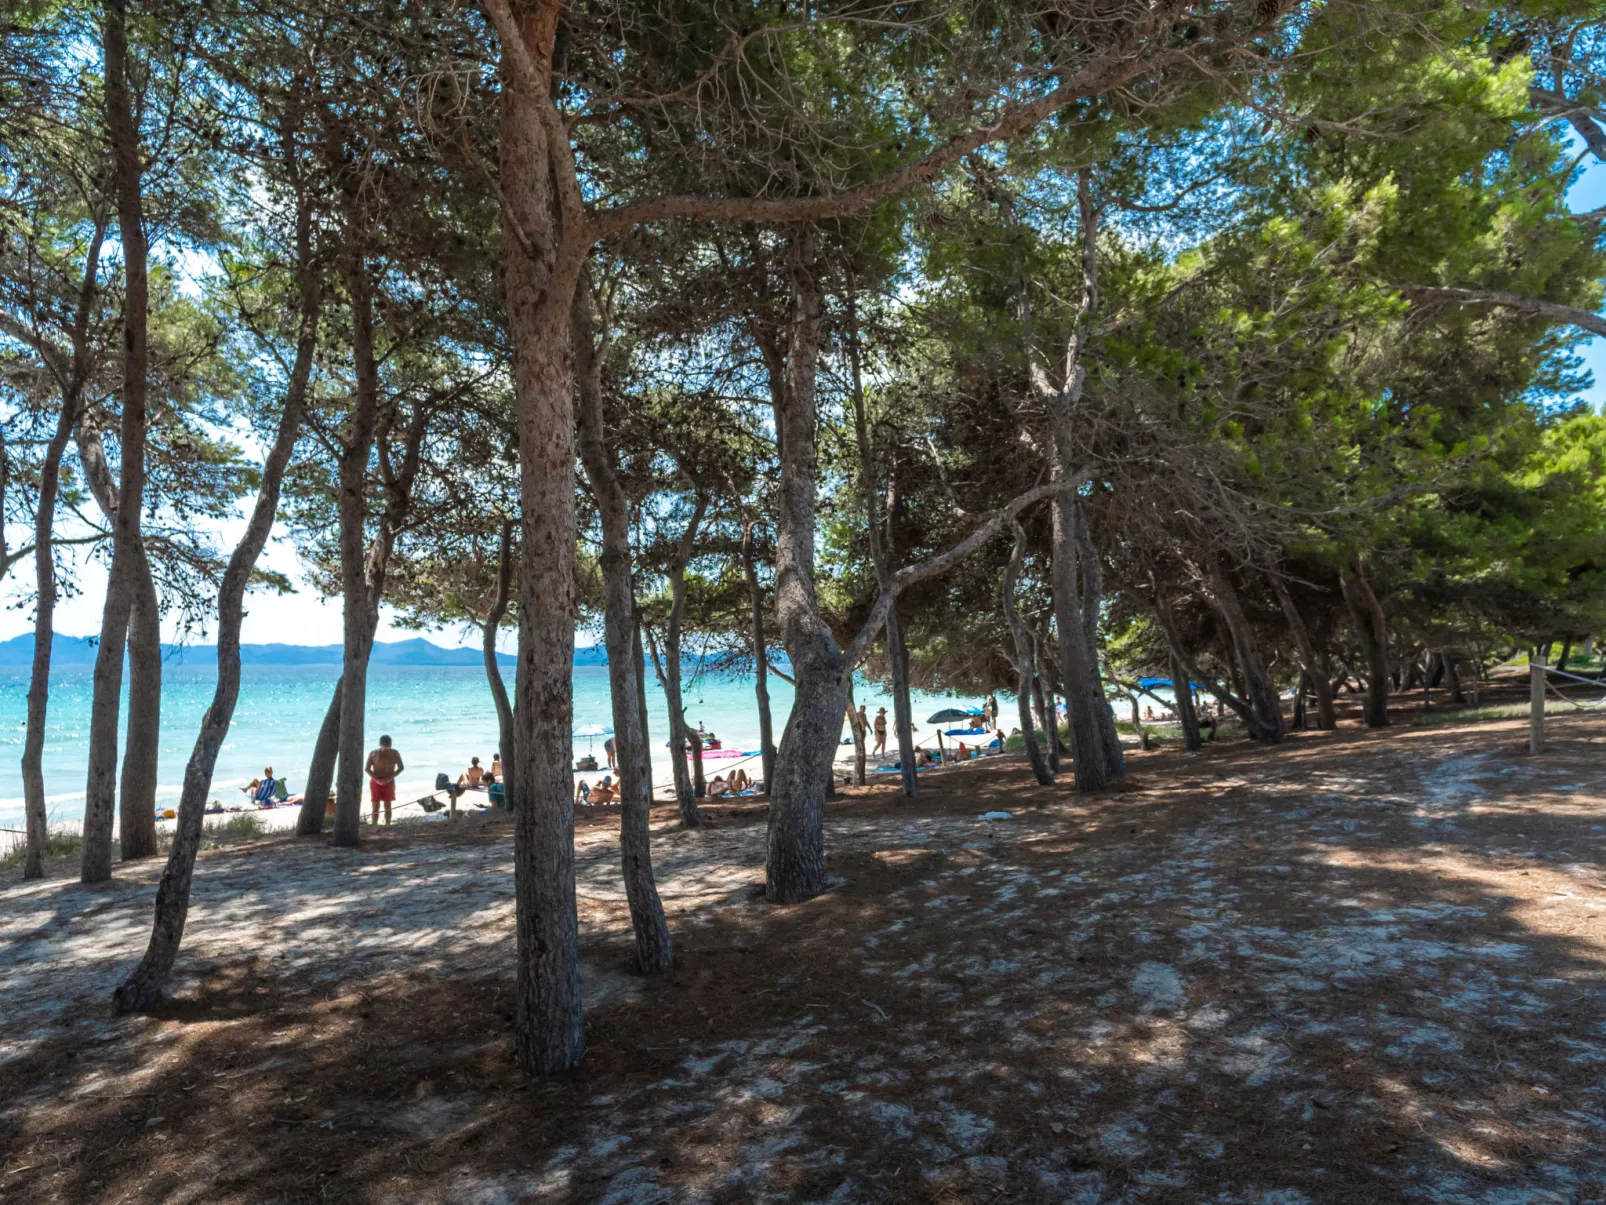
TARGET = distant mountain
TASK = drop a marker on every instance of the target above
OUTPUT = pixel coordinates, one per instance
(65, 651)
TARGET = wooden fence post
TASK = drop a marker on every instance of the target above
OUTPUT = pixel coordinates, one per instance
(1536, 704)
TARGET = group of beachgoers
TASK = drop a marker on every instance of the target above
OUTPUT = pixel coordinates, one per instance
(383, 767)
(925, 757)
(607, 791)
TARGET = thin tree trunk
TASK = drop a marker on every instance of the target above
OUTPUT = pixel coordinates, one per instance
(355, 588)
(321, 772)
(699, 784)
(1366, 615)
(902, 711)
(655, 951)
(1092, 578)
(123, 131)
(760, 650)
(1187, 714)
(1025, 660)
(148, 983)
(1265, 708)
(1043, 690)
(860, 769)
(679, 744)
(1315, 666)
(1298, 723)
(543, 252)
(1453, 670)
(641, 687)
(879, 528)
(137, 794)
(493, 671)
(73, 378)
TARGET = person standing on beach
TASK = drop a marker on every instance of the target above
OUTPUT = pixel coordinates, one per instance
(880, 732)
(384, 763)
(608, 747)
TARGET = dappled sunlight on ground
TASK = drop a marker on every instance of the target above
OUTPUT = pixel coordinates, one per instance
(1362, 967)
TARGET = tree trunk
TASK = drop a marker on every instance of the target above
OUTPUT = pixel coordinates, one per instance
(1301, 687)
(148, 983)
(1566, 651)
(1265, 708)
(795, 861)
(1182, 695)
(356, 591)
(654, 947)
(679, 739)
(1088, 748)
(493, 671)
(879, 528)
(1366, 615)
(902, 710)
(1046, 716)
(760, 649)
(1025, 661)
(544, 247)
(860, 769)
(1316, 667)
(123, 132)
(1092, 579)
(641, 687)
(321, 772)
(74, 376)
(1453, 670)
(137, 793)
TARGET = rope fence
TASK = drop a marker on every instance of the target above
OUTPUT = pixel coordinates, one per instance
(1545, 681)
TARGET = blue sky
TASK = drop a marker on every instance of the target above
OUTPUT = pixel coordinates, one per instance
(304, 618)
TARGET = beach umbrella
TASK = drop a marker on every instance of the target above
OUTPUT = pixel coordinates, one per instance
(947, 715)
(591, 732)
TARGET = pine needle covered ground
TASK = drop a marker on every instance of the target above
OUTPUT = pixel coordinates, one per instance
(1365, 967)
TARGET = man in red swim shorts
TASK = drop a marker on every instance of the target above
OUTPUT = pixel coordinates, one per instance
(384, 763)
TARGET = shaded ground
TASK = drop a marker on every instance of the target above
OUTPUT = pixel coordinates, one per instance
(1364, 967)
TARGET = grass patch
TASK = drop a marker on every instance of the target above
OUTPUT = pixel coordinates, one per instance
(241, 824)
(57, 845)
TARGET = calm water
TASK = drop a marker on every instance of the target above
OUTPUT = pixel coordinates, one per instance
(437, 717)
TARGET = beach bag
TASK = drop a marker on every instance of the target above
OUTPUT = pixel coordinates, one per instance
(280, 791)
(443, 782)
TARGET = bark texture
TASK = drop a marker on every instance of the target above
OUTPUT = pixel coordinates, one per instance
(655, 952)
(544, 247)
(127, 171)
(493, 671)
(321, 771)
(1025, 660)
(147, 985)
(1318, 672)
(1265, 716)
(1366, 616)
(72, 372)
(760, 653)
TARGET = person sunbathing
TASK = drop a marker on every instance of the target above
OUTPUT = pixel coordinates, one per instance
(470, 778)
(604, 793)
(261, 790)
(719, 787)
(582, 793)
(739, 781)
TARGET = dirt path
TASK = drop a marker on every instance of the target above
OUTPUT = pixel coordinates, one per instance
(1361, 968)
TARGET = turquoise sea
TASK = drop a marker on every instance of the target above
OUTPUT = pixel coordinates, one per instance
(438, 718)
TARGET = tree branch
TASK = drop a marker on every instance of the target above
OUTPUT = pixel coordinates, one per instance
(1554, 310)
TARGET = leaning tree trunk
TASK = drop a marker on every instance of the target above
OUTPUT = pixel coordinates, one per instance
(860, 769)
(1366, 615)
(1265, 708)
(1187, 715)
(543, 250)
(1025, 661)
(137, 794)
(321, 772)
(493, 671)
(123, 132)
(1043, 690)
(760, 651)
(655, 950)
(146, 986)
(1315, 666)
(679, 739)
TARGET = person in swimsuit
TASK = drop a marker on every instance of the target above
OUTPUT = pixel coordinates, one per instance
(470, 778)
(384, 763)
(880, 732)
